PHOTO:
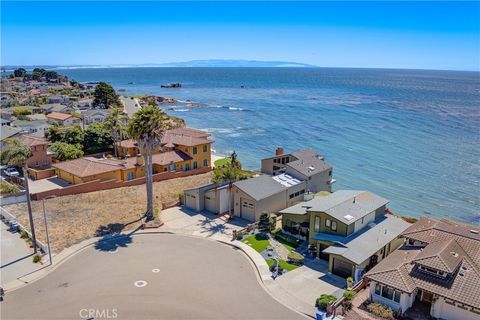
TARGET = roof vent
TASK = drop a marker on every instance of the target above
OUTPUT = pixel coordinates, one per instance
(311, 168)
(453, 253)
(348, 217)
(474, 231)
(464, 268)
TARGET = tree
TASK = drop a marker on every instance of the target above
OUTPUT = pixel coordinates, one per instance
(21, 112)
(73, 135)
(147, 126)
(98, 138)
(38, 73)
(54, 134)
(115, 122)
(105, 97)
(20, 72)
(66, 151)
(264, 223)
(16, 154)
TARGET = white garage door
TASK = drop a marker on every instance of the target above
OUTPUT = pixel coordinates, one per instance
(210, 202)
(247, 210)
(191, 201)
(224, 195)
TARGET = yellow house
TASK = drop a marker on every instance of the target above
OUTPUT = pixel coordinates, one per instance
(183, 149)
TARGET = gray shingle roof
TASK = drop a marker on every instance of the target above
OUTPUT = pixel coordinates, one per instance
(7, 132)
(260, 187)
(309, 166)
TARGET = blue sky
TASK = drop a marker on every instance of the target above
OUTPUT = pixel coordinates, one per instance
(425, 35)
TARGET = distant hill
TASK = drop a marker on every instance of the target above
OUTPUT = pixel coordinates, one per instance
(191, 64)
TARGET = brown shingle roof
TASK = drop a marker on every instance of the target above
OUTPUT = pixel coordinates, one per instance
(59, 116)
(31, 141)
(451, 248)
(166, 158)
(89, 166)
(183, 139)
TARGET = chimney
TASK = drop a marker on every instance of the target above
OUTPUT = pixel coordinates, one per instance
(278, 151)
(140, 160)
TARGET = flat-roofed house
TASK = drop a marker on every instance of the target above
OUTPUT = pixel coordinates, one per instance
(438, 268)
(350, 229)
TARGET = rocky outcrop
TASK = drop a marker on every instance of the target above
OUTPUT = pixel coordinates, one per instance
(172, 85)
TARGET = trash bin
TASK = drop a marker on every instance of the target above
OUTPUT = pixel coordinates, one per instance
(320, 315)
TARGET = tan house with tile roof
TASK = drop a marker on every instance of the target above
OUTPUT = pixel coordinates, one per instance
(182, 150)
(438, 268)
(62, 119)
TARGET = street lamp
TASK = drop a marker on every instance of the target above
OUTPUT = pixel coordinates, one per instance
(46, 228)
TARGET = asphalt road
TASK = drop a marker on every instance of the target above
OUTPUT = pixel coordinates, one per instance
(183, 278)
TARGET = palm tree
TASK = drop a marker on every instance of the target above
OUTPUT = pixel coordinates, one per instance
(16, 154)
(228, 173)
(147, 126)
(116, 121)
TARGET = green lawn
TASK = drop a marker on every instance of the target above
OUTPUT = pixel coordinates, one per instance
(284, 264)
(257, 244)
(286, 244)
(221, 162)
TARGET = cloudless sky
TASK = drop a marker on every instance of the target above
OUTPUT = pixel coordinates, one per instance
(426, 35)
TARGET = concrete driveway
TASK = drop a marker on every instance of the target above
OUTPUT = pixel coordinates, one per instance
(16, 256)
(202, 224)
(156, 276)
(301, 287)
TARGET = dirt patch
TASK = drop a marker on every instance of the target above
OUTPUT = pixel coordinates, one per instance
(74, 218)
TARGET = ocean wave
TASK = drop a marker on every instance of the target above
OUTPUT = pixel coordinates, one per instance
(180, 110)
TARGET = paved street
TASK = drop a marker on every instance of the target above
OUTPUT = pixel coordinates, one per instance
(157, 276)
(16, 256)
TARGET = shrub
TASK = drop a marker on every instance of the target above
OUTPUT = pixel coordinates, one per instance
(287, 239)
(380, 311)
(36, 258)
(261, 236)
(264, 223)
(324, 300)
(349, 294)
(276, 231)
(24, 235)
(295, 258)
(239, 236)
(7, 188)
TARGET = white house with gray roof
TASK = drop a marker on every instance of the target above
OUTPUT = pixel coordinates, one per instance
(350, 229)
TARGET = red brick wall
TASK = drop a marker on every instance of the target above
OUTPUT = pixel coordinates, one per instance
(39, 158)
(41, 174)
(97, 185)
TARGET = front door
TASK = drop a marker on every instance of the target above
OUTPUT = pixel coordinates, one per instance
(321, 255)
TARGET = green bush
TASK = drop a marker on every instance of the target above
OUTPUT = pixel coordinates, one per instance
(261, 236)
(7, 188)
(381, 311)
(36, 258)
(324, 300)
(276, 231)
(24, 235)
(239, 236)
(349, 294)
(295, 258)
(287, 239)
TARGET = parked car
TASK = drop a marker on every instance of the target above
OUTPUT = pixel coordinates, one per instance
(11, 172)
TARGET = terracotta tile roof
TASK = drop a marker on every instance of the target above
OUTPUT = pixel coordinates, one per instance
(183, 139)
(451, 247)
(89, 166)
(31, 141)
(166, 158)
(59, 116)
(190, 132)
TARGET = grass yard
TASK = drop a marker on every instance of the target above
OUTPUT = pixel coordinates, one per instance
(74, 218)
(222, 162)
(256, 243)
(284, 264)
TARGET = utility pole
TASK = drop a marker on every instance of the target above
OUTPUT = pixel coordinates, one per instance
(46, 230)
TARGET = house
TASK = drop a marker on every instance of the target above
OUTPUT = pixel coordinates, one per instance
(5, 122)
(35, 127)
(94, 115)
(85, 103)
(58, 99)
(40, 158)
(212, 197)
(7, 132)
(285, 180)
(62, 119)
(350, 229)
(57, 107)
(437, 268)
(305, 165)
(37, 116)
(183, 150)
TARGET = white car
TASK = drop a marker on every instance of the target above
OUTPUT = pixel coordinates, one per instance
(11, 172)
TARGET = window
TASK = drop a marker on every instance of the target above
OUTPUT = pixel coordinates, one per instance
(291, 196)
(328, 223)
(195, 165)
(317, 224)
(194, 150)
(396, 296)
(387, 292)
(130, 175)
(334, 226)
(378, 289)
(330, 173)
(205, 148)
(187, 167)
(205, 162)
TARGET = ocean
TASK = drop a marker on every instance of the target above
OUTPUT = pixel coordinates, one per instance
(410, 136)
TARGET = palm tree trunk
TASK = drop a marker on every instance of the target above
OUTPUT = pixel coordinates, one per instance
(29, 207)
(149, 182)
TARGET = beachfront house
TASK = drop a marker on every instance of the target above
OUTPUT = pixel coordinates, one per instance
(435, 273)
(350, 229)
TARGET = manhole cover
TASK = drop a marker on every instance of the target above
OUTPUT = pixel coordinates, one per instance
(140, 283)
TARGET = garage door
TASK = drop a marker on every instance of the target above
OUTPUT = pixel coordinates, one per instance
(191, 201)
(342, 268)
(210, 202)
(247, 210)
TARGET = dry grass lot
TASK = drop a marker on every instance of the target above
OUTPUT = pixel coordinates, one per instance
(72, 219)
